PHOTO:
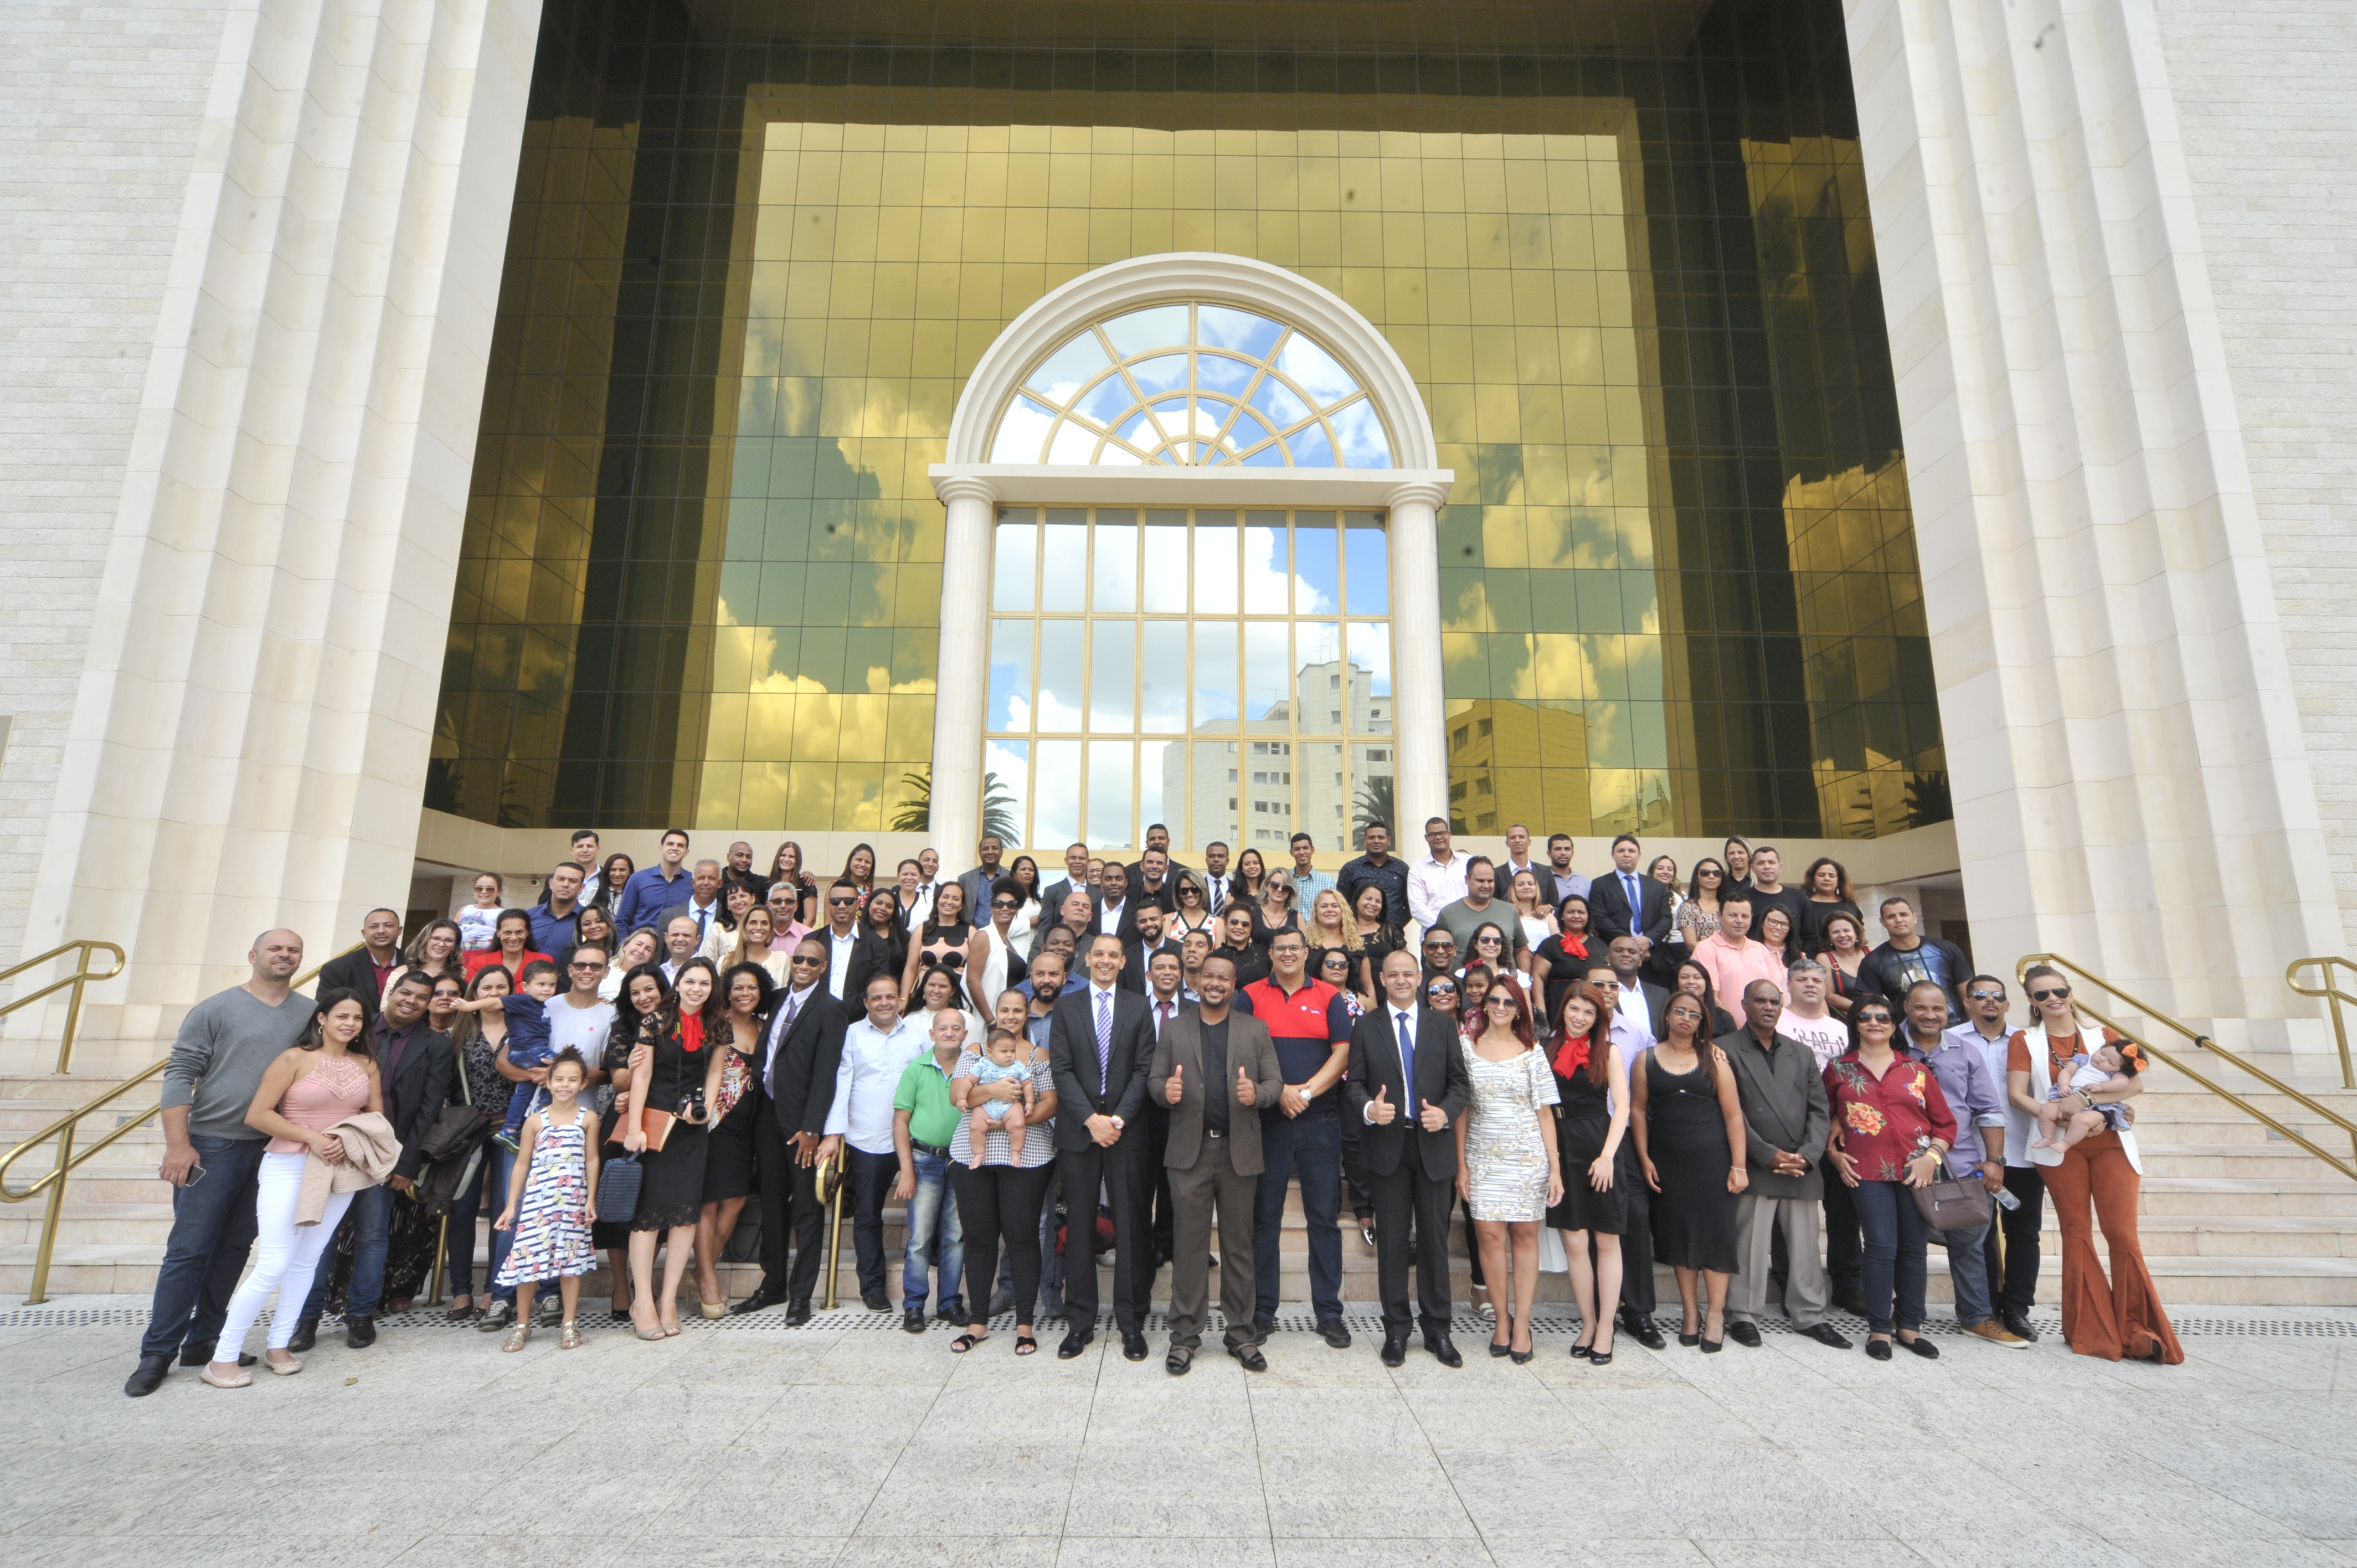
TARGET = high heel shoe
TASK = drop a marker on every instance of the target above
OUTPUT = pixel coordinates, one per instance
(712, 1311)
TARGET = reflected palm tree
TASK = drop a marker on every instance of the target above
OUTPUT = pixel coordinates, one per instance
(916, 812)
(1376, 801)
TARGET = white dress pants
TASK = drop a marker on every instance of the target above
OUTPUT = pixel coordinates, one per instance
(284, 1258)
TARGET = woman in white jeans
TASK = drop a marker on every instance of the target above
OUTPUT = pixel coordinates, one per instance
(326, 1076)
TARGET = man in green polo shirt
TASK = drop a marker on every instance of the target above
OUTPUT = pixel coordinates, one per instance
(924, 1120)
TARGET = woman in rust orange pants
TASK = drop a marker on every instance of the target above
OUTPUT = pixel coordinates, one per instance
(2095, 1182)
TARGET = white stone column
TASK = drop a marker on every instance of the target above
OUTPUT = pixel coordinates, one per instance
(962, 686)
(1419, 712)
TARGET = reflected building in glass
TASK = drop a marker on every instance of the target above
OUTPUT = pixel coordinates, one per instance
(1620, 251)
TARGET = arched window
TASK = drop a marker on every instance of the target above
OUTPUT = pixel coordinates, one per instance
(1192, 385)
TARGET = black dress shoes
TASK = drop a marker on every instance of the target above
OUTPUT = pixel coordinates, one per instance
(1920, 1346)
(1394, 1350)
(1743, 1333)
(798, 1312)
(359, 1333)
(1334, 1334)
(1443, 1349)
(1249, 1356)
(875, 1301)
(1826, 1334)
(913, 1320)
(306, 1334)
(2018, 1324)
(1133, 1345)
(1074, 1343)
(1642, 1331)
(762, 1296)
(147, 1377)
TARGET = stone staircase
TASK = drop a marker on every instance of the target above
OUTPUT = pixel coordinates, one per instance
(2232, 1212)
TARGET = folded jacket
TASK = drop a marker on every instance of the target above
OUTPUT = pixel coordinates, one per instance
(370, 1151)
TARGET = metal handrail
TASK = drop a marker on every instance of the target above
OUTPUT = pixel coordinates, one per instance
(82, 975)
(70, 1159)
(2333, 994)
(2201, 1042)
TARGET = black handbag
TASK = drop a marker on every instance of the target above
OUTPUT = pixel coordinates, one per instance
(617, 1189)
(452, 1150)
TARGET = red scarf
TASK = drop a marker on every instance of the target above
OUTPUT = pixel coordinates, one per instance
(691, 1032)
(1572, 1056)
(1578, 951)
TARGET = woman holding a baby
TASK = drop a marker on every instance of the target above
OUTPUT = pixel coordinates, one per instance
(2069, 1086)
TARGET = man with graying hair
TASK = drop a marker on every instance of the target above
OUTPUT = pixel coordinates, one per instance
(1785, 1120)
(211, 1157)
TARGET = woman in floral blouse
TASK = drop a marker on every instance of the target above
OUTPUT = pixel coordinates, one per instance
(1891, 1126)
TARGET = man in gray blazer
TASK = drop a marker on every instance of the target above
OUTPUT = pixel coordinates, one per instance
(1784, 1124)
(1214, 1068)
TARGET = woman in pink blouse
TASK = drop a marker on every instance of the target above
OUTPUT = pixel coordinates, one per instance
(1891, 1126)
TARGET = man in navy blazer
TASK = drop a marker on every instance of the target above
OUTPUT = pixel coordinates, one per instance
(1611, 912)
(1408, 1143)
(1100, 1049)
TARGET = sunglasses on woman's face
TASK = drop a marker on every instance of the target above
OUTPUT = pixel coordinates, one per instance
(1865, 1018)
(1443, 990)
(2059, 994)
(1005, 903)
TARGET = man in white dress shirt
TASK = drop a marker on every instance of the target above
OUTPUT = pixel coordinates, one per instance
(859, 1124)
(1438, 880)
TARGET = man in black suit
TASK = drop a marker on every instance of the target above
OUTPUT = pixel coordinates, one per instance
(802, 1049)
(1141, 938)
(854, 955)
(1100, 1049)
(1076, 875)
(366, 968)
(1624, 902)
(1408, 1084)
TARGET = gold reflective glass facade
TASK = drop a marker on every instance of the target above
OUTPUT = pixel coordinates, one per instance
(1622, 249)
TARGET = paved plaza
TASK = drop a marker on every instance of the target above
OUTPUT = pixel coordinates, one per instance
(849, 1441)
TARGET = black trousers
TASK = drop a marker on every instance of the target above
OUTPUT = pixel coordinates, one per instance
(2014, 1288)
(1845, 1251)
(1636, 1235)
(1157, 1193)
(995, 1203)
(1356, 1186)
(789, 1211)
(1408, 1192)
(1119, 1173)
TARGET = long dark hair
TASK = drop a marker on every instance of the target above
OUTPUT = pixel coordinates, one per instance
(1711, 1011)
(848, 859)
(1693, 881)
(310, 1039)
(933, 927)
(1030, 890)
(604, 894)
(1702, 1035)
(1842, 895)
(628, 1019)
(715, 1010)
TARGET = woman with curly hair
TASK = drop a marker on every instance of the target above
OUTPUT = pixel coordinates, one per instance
(1891, 1128)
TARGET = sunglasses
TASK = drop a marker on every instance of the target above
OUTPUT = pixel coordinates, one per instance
(812, 960)
(1444, 989)
(1005, 903)
(585, 968)
(838, 903)
(1986, 995)
(1874, 1017)
(2060, 992)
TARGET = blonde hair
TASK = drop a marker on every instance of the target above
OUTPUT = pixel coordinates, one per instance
(1354, 941)
(1535, 909)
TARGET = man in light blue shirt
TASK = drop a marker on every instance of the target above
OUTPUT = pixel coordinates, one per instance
(1308, 881)
(1979, 1107)
(650, 892)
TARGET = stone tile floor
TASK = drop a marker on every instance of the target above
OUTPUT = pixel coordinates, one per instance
(849, 1441)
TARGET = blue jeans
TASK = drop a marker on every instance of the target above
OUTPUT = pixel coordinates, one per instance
(495, 1198)
(934, 1231)
(1894, 1268)
(370, 1218)
(1311, 1144)
(1968, 1273)
(871, 1177)
(213, 1225)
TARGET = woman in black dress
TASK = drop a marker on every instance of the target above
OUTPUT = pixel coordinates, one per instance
(880, 918)
(639, 996)
(1689, 1129)
(1692, 980)
(1592, 1117)
(1378, 939)
(1564, 959)
(736, 1111)
(678, 1061)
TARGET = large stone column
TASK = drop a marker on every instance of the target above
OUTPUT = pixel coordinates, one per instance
(1420, 714)
(962, 687)
(2131, 785)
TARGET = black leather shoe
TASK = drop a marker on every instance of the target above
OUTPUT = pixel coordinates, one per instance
(2017, 1324)
(875, 1301)
(1826, 1334)
(1262, 1327)
(306, 1334)
(1920, 1346)
(913, 1320)
(1851, 1301)
(797, 1313)
(1334, 1334)
(1074, 1343)
(359, 1333)
(1180, 1362)
(1443, 1350)
(1250, 1357)
(952, 1312)
(761, 1297)
(1642, 1331)
(147, 1377)
(1133, 1345)
(1002, 1302)
(1744, 1334)
(1394, 1350)
(1878, 1350)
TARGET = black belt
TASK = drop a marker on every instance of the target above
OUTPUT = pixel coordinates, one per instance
(936, 1150)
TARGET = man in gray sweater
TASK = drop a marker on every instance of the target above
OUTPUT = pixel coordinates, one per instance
(211, 1157)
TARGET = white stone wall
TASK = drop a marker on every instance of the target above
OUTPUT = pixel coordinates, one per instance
(99, 111)
(2267, 105)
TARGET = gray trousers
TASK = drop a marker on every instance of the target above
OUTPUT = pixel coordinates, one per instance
(1212, 1178)
(1807, 1291)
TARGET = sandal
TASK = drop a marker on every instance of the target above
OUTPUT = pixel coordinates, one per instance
(1024, 1345)
(571, 1339)
(517, 1336)
(965, 1342)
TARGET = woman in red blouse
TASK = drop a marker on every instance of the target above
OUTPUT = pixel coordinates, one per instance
(1891, 1127)
(513, 947)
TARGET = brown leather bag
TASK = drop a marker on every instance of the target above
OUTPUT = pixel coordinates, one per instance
(1954, 1205)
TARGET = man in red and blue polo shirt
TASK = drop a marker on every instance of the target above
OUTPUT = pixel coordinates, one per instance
(1310, 1023)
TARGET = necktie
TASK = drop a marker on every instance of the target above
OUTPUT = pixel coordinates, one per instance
(1161, 1016)
(1408, 1061)
(1628, 886)
(1104, 1042)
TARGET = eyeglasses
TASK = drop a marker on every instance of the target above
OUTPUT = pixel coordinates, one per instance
(2059, 992)
(585, 968)
(812, 960)
(1986, 995)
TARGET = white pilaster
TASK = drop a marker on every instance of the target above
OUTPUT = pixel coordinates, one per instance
(961, 688)
(1412, 534)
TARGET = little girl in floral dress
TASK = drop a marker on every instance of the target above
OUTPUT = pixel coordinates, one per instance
(552, 1201)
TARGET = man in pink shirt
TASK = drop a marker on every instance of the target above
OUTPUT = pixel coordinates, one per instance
(1734, 960)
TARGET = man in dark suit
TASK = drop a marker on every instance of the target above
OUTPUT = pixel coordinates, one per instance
(1624, 902)
(1142, 938)
(1408, 1084)
(1076, 875)
(802, 1049)
(978, 882)
(1100, 1048)
(366, 967)
(854, 955)
(1214, 1069)
(1785, 1120)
